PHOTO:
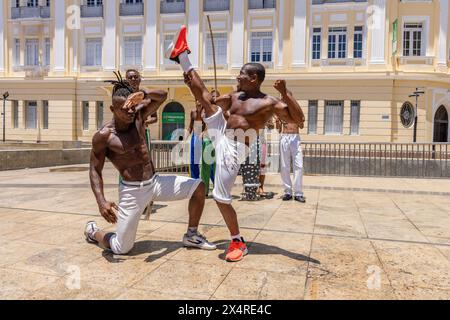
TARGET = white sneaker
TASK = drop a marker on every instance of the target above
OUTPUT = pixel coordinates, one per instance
(198, 241)
(90, 231)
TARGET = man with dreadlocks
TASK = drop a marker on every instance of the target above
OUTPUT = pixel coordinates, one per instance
(122, 141)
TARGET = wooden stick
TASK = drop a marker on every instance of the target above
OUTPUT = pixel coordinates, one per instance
(214, 53)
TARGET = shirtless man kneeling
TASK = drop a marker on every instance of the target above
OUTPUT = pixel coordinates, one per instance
(249, 109)
(122, 141)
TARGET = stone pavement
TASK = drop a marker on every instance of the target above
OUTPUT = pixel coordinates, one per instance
(356, 238)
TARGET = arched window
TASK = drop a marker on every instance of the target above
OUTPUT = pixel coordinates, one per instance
(173, 121)
(441, 125)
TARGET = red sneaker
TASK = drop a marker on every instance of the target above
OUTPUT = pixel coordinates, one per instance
(178, 46)
(237, 251)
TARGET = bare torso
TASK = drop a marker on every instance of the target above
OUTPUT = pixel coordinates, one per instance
(250, 113)
(128, 152)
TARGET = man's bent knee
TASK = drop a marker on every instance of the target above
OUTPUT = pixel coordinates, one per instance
(200, 191)
(121, 248)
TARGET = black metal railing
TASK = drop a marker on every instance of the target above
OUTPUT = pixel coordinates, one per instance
(418, 160)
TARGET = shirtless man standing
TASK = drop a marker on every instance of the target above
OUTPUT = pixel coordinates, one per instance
(122, 141)
(250, 109)
(291, 150)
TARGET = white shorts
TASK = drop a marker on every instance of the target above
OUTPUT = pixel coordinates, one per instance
(230, 155)
(135, 197)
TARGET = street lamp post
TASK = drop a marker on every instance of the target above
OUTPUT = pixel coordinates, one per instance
(416, 94)
(5, 96)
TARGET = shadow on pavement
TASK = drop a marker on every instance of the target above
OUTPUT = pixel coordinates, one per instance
(163, 248)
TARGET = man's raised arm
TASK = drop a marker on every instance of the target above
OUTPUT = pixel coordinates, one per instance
(294, 111)
(98, 155)
(152, 101)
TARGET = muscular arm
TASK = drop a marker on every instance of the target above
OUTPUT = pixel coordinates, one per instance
(191, 123)
(295, 102)
(288, 109)
(153, 100)
(201, 94)
(98, 156)
(224, 102)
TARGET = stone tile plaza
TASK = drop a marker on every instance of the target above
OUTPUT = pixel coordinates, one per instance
(356, 238)
(121, 121)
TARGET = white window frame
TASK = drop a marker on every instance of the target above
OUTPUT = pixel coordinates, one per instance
(355, 104)
(207, 44)
(320, 34)
(267, 64)
(333, 133)
(47, 51)
(362, 33)
(99, 114)
(96, 64)
(35, 42)
(85, 115)
(27, 118)
(138, 63)
(336, 45)
(312, 103)
(425, 20)
(17, 46)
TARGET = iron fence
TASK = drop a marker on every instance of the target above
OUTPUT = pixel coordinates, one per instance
(418, 160)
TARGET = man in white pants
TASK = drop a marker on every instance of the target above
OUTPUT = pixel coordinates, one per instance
(291, 151)
(122, 141)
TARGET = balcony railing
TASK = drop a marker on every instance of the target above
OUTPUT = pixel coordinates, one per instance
(30, 12)
(173, 7)
(262, 4)
(91, 11)
(216, 5)
(131, 9)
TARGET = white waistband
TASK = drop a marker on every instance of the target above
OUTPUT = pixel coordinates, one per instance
(139, 183)
(290, 134)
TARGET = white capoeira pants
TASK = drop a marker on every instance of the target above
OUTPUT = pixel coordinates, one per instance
(291, 150)
(134, 198)
(230, 155)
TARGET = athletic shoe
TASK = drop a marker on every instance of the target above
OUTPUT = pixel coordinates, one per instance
(198, 241)
(300, 199)
(237, 251)
(178, 46)
(90, 231)
(287, 197)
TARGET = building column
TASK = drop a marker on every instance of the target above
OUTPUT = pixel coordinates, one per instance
(60, 36)
(281, 21)
(194, 31)
(237, 35)
(150, 43)
(75, 37)
(378, 27)
(299, 34)
(109, 41)
(2, 36)
(443, 32)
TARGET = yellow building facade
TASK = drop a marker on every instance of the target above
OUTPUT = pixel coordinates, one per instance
(351, 64)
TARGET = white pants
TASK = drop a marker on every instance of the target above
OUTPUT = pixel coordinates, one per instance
(291, 149)
(134, 198)
(230, 155)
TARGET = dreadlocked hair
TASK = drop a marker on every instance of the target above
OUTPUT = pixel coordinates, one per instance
(121, 87)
